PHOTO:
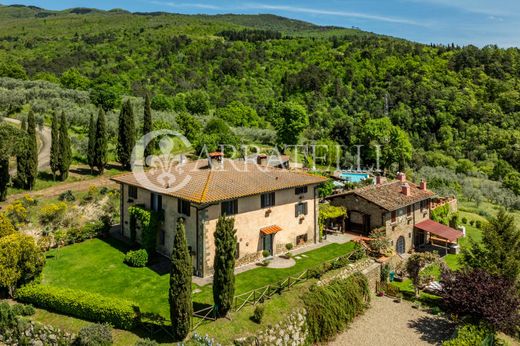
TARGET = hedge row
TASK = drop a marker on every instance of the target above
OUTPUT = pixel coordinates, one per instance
(331, 308)
(89, 306)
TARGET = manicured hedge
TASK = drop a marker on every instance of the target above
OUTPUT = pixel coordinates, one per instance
(89, 306)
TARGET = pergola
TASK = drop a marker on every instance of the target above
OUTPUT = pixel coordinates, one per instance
(440, 232)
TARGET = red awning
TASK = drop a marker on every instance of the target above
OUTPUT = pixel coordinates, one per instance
(439, 229)
(271, 229)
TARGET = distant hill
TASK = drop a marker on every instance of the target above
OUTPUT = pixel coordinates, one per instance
(459, 107)
(261, 21)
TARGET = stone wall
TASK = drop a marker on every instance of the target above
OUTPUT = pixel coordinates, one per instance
(290, 332)
(33, 333)
(347, 271)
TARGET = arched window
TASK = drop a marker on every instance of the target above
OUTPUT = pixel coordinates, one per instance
(400, 246)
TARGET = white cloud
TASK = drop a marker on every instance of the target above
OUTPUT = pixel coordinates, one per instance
(315, 11)
(187, 5)
(291, 9)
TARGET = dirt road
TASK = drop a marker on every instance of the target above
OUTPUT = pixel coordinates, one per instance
(44, 152)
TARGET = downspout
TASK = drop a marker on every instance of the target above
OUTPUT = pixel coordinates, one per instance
(316, 216)
(121, 209)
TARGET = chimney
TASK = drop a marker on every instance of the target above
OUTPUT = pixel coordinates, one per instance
(261, 159)
(215, 159)
(405, 189)
(401, 177)
(379, 180)
(422, 186)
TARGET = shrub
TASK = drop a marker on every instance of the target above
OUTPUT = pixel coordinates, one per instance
(385, 272)
(469, 335)
(146, 342)
(472, 222)
(23, 310)
(266, 253)
(104, 190)
(331, 308)
(258, 314)
(289, 246)
(137, 258)
(52, 214)
(95, 335)
(478, 224)
(17, 213)
(6, 227)
(464, 220)
(67, 196)
(89, 306)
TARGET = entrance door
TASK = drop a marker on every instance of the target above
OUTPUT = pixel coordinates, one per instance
(400, 246)
(267, 241)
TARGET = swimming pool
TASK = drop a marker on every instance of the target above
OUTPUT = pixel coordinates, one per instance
(354, 177)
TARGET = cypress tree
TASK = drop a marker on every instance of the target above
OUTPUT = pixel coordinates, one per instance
(100, 150)
(21, 160)
(4, 177)
(147, 125)
(126, 137)
(181, 306)
(31, 158)
(91, 153)
(224, 265)
(65, 151)
(55, 146)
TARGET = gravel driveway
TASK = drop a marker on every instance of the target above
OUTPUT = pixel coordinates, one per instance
(387, 323)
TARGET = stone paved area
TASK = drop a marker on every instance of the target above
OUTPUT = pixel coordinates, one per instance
(387, 323)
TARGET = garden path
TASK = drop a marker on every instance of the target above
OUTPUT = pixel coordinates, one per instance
(387, 323)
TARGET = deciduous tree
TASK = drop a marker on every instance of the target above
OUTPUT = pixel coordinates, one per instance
(291, 121)
(483, 296)
(21, 260)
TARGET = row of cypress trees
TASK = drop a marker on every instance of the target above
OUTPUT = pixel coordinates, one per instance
(97, 143)
(181, 305)
(61, 153)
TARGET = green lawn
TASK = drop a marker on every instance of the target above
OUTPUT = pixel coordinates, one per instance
(97, 266)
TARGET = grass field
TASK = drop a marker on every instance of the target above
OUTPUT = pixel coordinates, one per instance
(97, 266)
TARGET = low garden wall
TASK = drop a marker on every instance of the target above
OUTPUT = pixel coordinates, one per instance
(294, 330)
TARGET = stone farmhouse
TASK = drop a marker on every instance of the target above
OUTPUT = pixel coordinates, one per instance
(400, 207)
(271, 207)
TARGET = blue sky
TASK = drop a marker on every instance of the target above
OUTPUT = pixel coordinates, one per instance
(478, 22)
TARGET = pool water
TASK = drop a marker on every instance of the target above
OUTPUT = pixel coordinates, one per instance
(353, 177)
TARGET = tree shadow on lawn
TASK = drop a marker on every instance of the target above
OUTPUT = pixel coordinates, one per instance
(433, 329)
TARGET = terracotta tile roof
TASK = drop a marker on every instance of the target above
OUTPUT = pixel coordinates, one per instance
(197, 182)
(389, 195)
(271, 229)
(439, 229)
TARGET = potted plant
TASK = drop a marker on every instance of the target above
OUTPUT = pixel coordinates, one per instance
(381, 293)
